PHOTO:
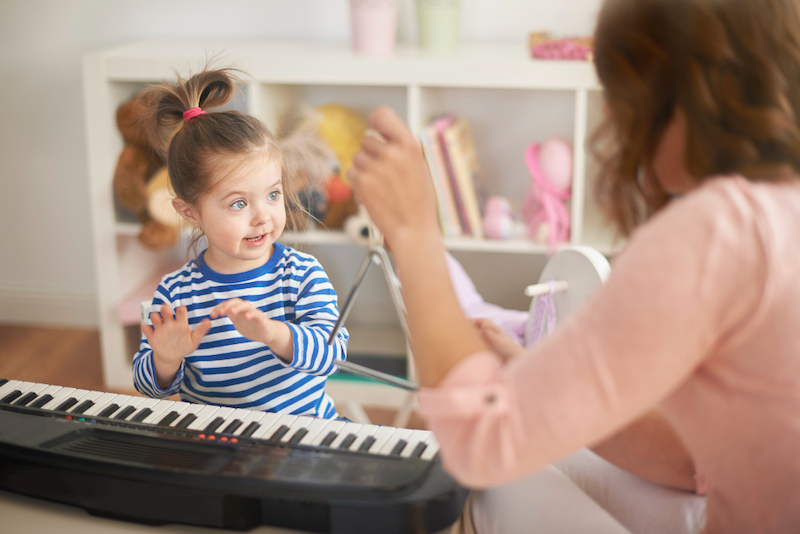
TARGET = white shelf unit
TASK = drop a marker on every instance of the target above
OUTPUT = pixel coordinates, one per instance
(509, 99)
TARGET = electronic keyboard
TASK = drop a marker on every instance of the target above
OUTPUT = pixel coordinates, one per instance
(160, 461)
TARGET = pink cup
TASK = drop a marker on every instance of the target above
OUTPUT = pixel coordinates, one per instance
(374, 26)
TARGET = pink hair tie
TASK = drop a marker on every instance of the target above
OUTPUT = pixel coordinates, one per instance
(192, 113)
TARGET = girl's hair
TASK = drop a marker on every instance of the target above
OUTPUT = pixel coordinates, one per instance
(194, 147)
(732, 66)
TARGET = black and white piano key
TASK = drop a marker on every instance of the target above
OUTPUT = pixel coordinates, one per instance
(59, 397)
(29, 395)
(319, 429)
(10, 395)
(102, 402)
(271, 424)
(45, 396)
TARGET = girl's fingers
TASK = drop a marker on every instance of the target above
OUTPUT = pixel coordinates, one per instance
(155, 318)
(147, 330)
(201, 330)
(181, 314)
(166, 313)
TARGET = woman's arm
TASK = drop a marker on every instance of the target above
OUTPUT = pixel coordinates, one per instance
(392, 180)
(650, 449)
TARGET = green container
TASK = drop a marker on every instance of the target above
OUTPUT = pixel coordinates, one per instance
(439, 24)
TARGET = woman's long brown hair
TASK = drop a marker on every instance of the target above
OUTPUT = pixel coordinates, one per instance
(733, 68)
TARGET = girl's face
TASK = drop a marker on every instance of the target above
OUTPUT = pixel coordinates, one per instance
(242, 214)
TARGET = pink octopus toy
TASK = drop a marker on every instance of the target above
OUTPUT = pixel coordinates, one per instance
(544, 209)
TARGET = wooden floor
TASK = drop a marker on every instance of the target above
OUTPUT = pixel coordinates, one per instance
(64, 357)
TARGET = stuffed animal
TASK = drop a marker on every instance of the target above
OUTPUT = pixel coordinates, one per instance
(499, 219)
(137, 164)
(325, 193)
(544, 211)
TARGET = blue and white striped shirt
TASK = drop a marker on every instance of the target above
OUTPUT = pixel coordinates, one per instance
(228, 369)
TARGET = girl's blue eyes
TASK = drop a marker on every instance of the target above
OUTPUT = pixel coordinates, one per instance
(241, 204)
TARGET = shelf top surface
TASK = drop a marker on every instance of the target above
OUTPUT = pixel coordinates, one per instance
(471, 65)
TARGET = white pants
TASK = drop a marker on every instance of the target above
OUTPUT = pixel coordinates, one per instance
(583, 493)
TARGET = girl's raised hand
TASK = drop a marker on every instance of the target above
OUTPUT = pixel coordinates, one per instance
(171, 338)
(248, 320)
(390, 177)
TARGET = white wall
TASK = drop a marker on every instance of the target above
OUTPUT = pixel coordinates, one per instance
(46, 257)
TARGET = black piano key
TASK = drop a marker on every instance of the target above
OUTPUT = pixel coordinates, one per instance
(298, 435)
(398, 448)
(367, 444)
(214, 425)
(419, 449)
(169, 418)
(8, 399)
(26, 399)
(41, 401)
(186, 421)
(142, 415)
(3, 381)
(231, 428)
(67, 404)
(110, 409)
(329, 438)
(279, 433)
(252, 427)
(82, 407)
(126, 411)
(347, 441)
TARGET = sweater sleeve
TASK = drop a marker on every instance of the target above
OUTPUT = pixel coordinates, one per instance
(690, 283)
(316, 313)
(144, 372)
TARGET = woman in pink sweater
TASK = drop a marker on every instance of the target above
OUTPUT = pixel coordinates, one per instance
(700, 314)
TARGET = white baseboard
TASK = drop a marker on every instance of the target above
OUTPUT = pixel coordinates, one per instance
(48, 309)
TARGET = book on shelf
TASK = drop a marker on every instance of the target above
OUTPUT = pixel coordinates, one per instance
(440, 126)
(448, 213)
(459, 145)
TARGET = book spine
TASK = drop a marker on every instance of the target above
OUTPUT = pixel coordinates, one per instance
(441, 126)
(457, 138)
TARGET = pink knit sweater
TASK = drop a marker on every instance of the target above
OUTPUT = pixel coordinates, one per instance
(701, 314)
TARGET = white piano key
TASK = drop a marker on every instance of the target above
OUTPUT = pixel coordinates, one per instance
(391, 441)
(14, 385)
(314, 428)
(332, 426)
(432, 449)
(203, 416)
(346, 430)
(381, 435)
(415, 438)
(10, 386)
(159, 410)
(265, 432)
(225, 413)
(89, 395)
(246, 419)
(33, 388)
(181, 408)
(58, 397)
(101, 403)
(363, 433)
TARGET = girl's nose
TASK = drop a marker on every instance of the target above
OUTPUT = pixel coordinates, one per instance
(260, 214)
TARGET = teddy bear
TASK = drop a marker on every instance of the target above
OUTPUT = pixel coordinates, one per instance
(137, 164)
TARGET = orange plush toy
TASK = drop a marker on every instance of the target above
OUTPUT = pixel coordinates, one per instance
(137, 164)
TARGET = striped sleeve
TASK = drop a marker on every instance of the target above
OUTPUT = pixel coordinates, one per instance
(144, 372)
(316, 313)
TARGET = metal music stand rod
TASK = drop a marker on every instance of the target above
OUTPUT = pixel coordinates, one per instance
(376, 255)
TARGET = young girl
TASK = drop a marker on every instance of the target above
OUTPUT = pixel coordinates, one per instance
(699, 315)
(245, 324)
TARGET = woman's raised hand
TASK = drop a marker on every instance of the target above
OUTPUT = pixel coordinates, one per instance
(390, 177)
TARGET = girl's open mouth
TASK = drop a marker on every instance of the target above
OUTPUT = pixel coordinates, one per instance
(256, 240)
